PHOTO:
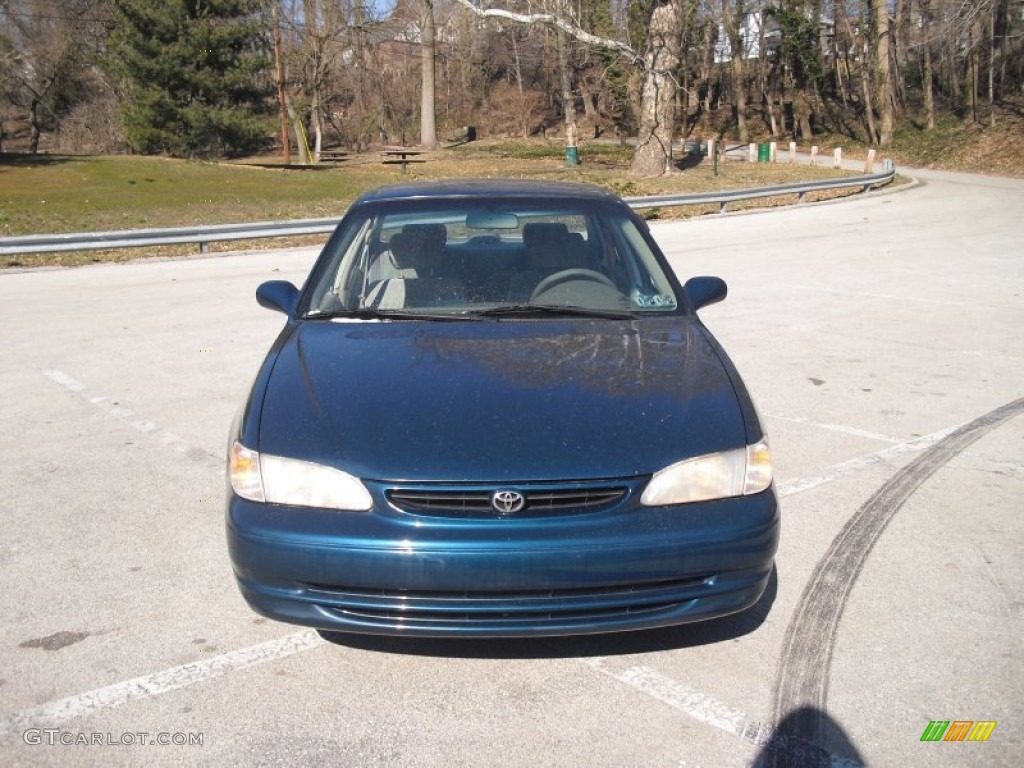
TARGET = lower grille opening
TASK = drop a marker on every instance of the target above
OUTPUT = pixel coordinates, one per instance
(508, 607)
(483, 619)
(344, 592)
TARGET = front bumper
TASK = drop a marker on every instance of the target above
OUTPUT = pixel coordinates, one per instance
(389, 572)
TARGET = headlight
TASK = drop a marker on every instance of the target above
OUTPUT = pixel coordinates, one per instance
(278, 480)
(741, 472)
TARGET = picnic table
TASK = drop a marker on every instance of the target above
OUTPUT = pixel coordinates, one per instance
(402, 156)
(333, 155)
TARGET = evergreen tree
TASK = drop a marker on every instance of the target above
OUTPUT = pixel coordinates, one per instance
(193, 74)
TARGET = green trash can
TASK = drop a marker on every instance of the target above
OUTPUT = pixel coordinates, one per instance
(764, 153)
(572, 156)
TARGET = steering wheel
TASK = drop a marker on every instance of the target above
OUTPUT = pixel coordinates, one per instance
(569, 275)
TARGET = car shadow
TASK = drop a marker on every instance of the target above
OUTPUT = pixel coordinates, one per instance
(579, 646)
(809, 738)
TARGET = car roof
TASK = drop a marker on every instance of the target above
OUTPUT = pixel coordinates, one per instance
(475, 188)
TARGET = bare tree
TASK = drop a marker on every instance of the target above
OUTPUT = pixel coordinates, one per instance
(561, 17)
(46, 59)
(660, 61)
(319, 37)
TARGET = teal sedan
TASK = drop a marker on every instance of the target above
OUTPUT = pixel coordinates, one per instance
(493, 411)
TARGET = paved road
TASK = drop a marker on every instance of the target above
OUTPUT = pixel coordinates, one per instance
(881, 338)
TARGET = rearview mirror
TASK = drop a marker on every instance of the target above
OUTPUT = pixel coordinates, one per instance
(279, 295)
(702, 291)
(492, 220)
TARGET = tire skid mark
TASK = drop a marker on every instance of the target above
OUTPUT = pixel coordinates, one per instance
(802, 676)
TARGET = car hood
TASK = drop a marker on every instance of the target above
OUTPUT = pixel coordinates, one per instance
(496, 401)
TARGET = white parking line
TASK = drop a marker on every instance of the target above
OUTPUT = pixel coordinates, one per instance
(54, 713)
(698, 706)
(791, 487)
(852, 431)
(162, 436)
(688, 700)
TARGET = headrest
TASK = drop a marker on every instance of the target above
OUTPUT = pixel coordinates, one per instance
(418, 246)
(544, 234)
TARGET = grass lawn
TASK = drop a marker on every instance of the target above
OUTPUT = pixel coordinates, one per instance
(58, 193)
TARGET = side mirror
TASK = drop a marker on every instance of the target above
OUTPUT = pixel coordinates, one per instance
(702, 291)
(279, 295)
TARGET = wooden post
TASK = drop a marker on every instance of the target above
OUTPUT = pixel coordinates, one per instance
(814, 154)
(773, 152)
(869, 164)
(711, 149)
(792, 151)
(752, 152)
(837, 158)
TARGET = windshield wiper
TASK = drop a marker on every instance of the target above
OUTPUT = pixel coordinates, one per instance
(523, 310)
(371, 313)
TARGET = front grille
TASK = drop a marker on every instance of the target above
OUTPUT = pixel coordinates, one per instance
(477, 502)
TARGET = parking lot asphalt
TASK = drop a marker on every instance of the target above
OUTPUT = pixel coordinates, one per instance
(881, 338)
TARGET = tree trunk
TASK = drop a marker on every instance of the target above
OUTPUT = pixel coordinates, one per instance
(568, 99)
(653, 155)
(300, 135)
(927, 77)
(684, 114)
(706, 65)
(739, 86)
(900, 50)
(517, 66)
(316, 115)
(804, 107)
(589, 99)
(428, 128)
(992, 64)
(840, 82)
(286, 145)
(869, 112)
(954, 84)
(842, 58)
(883, 89)
(972, 72)
(34, 129)
(763, 74)
(1002, 44)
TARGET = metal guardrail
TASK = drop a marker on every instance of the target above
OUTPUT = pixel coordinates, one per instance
(136, 238)
(204, 235)
(800, 189)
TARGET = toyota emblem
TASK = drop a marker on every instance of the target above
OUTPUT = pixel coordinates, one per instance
(507, 502)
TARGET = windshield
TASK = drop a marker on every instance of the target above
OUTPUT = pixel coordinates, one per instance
(463, 257)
